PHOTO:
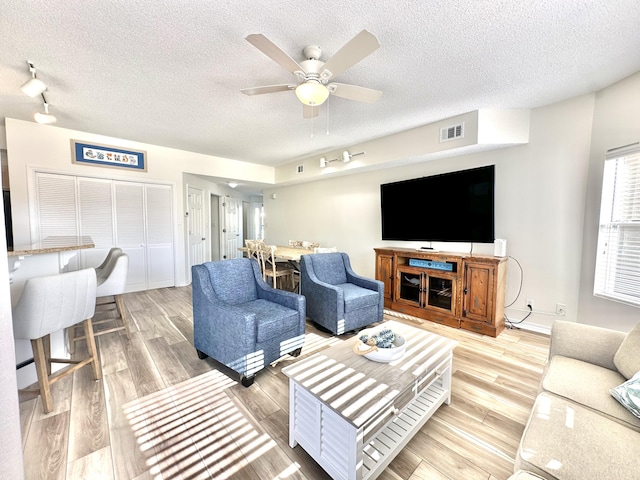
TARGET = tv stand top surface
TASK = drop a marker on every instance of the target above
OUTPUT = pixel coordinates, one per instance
(422, 253)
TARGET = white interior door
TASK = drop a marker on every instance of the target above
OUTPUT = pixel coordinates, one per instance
(195, 225)
(231, 228)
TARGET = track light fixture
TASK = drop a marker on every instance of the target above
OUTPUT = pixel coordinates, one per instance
(45, 118)
(34, 86)
(346, 158)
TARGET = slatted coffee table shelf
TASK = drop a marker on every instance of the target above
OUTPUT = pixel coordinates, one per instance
(353, 415)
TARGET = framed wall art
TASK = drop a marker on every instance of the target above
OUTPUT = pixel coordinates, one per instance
(108, 156)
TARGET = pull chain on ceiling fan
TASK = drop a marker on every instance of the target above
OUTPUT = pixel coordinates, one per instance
(315, 76)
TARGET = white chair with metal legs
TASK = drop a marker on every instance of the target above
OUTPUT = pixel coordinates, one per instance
(49, 304)
(111, 282)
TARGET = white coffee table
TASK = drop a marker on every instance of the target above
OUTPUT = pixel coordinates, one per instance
(353, 415)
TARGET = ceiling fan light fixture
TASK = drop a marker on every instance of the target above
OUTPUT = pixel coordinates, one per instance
(312, 93)
(45, 118)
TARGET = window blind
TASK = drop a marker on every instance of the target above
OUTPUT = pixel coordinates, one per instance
(617, 275)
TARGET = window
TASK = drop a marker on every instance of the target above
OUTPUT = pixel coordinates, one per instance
(617, 275)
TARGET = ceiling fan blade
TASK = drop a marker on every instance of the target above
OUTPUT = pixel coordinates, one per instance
(274, 52)
(354, 92)
(356, 49)
(308, 111)
(268, 89)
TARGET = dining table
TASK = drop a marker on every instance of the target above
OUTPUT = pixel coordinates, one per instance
(291, 255)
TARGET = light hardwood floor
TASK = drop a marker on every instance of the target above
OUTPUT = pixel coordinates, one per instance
(108, 429)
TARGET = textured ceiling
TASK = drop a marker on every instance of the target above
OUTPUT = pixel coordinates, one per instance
(169, 72)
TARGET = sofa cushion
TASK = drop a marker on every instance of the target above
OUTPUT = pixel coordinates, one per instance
(273, 319)
(356, 297)
(522, 475)
(588, 385)
(567, 441)
(628, 394)
(627, 358)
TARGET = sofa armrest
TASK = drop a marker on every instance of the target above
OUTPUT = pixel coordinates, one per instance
(587, 343)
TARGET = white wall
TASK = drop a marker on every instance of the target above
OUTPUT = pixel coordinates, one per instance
(540, 197)
(11, 452)
(616, 123)
(40, 146)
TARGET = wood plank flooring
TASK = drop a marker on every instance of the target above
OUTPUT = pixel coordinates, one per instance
(161, 413)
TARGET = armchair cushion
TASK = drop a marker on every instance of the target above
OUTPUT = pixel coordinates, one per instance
(276, 319)
(627, 357)
(356, 297)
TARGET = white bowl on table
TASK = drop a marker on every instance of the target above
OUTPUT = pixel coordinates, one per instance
(383, 355)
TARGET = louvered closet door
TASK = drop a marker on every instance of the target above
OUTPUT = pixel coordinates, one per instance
(159, 236)
(96, 218)
(56, 208)
(130, 230)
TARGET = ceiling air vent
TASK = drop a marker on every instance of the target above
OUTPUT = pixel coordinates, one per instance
(452, 132)
(300, 169)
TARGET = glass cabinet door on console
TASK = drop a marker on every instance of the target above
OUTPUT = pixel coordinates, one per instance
(410, 286)
(426, 288)
(439, 292)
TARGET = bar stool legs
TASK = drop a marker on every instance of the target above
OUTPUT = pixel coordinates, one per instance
(42, 359)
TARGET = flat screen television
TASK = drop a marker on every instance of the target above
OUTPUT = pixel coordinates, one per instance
(450, 207)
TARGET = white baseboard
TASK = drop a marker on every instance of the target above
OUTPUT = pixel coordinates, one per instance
(532, 327)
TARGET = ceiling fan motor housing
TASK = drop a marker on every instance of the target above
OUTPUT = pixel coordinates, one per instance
(312, 52)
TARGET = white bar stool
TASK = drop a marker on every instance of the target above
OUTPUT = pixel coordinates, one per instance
(49, 304)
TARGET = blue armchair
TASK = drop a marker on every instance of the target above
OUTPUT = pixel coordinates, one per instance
(337, 298)
(240, 321)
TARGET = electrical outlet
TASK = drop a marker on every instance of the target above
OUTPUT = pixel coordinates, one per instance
(528, 303)
(561, 309)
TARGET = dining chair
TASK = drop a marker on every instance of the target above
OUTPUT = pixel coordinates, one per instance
(49, 304)
(274, 270)
(253, 248)
(325, 249)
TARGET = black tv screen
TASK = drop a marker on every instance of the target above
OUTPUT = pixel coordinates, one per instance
(451, 207)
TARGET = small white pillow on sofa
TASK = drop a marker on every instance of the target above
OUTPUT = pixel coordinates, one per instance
(628, 394)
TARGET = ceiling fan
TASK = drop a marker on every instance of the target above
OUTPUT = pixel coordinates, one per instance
(315, 76)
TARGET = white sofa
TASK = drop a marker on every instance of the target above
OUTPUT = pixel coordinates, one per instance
(577, 430)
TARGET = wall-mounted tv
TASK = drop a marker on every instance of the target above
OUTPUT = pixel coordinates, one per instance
(450, 207)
